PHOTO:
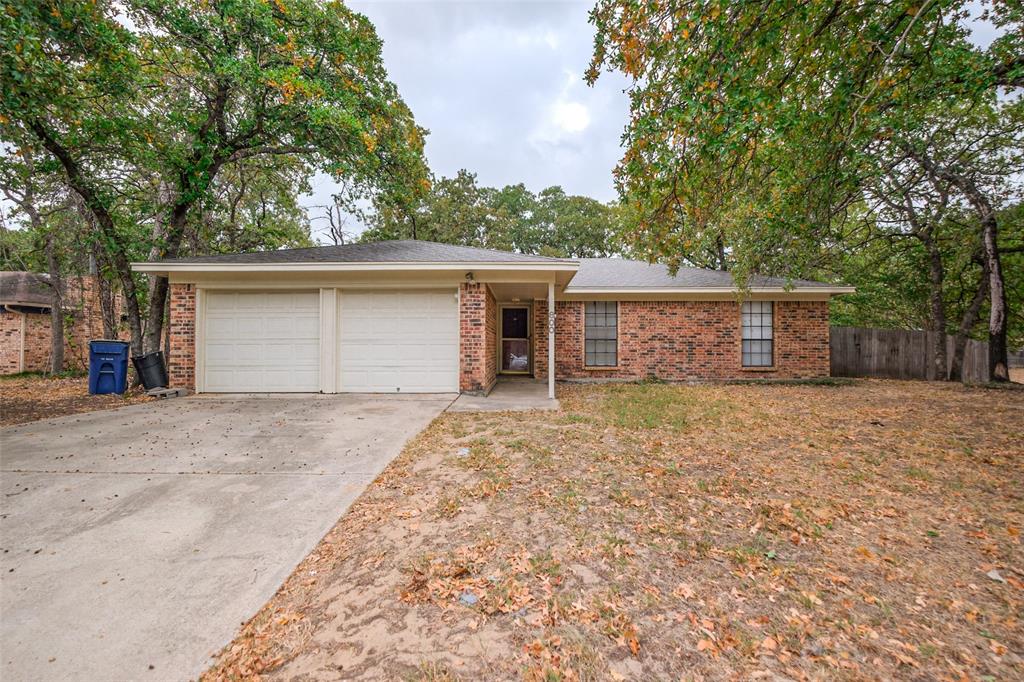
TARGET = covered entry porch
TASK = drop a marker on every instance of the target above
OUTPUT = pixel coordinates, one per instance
(509, 394)
(523, 344)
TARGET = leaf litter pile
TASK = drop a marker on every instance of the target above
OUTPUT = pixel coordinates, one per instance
(29, 398)
(862, 531)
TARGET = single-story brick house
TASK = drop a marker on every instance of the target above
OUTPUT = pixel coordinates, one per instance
(416, 316)
(25, 337)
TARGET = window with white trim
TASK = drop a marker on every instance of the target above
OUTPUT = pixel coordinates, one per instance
(757, 333)
(601, 333)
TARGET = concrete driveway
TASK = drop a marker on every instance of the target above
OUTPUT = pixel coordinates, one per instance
(134, 542)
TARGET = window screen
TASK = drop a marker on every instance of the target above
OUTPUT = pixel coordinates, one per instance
(757, 333)
(601, 339)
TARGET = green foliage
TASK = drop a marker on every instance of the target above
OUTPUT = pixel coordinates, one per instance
(892, 287)
(459, 211)
(141, 105)
(891, 277)
(253, 207)
(18, 252)
(751, 123)
(296, 77)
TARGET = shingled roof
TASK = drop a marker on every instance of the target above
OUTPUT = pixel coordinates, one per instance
(619, 273)
(20, 288)
(398, 251)
(592, 274)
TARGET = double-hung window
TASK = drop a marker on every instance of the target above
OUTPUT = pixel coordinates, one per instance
(757, 334)
(601, 336)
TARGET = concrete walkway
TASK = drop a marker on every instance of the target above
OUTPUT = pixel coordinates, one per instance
(514, 394)
(133, 542)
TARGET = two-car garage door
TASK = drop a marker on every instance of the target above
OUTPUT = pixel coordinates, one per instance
(384, 341)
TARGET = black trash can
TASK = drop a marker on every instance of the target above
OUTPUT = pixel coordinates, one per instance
(151, 369)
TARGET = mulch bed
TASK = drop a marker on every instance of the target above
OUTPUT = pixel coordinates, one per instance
(31, 398)
(862, 531)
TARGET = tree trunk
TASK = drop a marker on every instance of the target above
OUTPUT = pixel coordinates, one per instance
(159, 285)
(936, 275)
(998, 361)
(56, 308)
(967, 322)
(157, 304)
(111, 239)
(108, 309)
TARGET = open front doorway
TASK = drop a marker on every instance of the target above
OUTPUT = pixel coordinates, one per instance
(514, 339)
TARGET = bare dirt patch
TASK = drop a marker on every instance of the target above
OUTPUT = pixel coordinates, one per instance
(869, 530)
(30, 398)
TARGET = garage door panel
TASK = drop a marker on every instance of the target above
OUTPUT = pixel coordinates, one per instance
(230, 355)
(219, 327)
(398, 341)
(262, 341)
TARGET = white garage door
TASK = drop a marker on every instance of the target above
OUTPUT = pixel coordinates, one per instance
(405, 341)
(262, 341)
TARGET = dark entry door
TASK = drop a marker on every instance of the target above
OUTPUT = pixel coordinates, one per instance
(515, 340)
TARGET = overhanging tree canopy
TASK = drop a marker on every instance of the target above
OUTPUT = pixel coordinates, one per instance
(752, 124)
(190, 88)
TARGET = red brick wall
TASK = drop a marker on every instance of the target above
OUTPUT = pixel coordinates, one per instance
(540, 338)
(672, 340)
(691, 340)
(10, 342)
(181, 364)
(83, 320)
(36, 340)
(477, 337)
(491, 353)
(37, 343)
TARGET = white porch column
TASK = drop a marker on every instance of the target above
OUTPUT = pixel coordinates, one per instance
(551, 340)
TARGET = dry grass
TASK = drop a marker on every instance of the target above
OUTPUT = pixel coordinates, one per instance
(869, 530)
(30, 397)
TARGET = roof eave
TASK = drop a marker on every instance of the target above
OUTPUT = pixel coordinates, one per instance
(159, 268)
(26, 304)
(831, 290)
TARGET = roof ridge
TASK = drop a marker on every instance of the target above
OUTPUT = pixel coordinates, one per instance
(380, 251)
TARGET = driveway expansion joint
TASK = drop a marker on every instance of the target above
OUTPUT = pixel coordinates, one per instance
(189, 473)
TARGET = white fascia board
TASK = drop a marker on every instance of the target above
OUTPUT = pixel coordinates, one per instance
(584, 291)
(163, 268)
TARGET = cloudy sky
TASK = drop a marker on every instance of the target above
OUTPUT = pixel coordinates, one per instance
(499, 84)
(500, 87)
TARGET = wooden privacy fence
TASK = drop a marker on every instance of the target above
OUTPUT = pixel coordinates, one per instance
(899, 354)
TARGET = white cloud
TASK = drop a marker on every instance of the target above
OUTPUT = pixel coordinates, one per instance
(499, 86)
(572, 117)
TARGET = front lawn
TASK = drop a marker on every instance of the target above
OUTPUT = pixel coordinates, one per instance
(866, 530)
(29, 397)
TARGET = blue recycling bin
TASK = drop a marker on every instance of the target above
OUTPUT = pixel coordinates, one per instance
(108, 366)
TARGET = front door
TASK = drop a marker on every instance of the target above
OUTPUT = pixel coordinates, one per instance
(515, 339)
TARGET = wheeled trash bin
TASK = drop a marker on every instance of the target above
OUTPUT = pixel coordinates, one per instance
(108, 366)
